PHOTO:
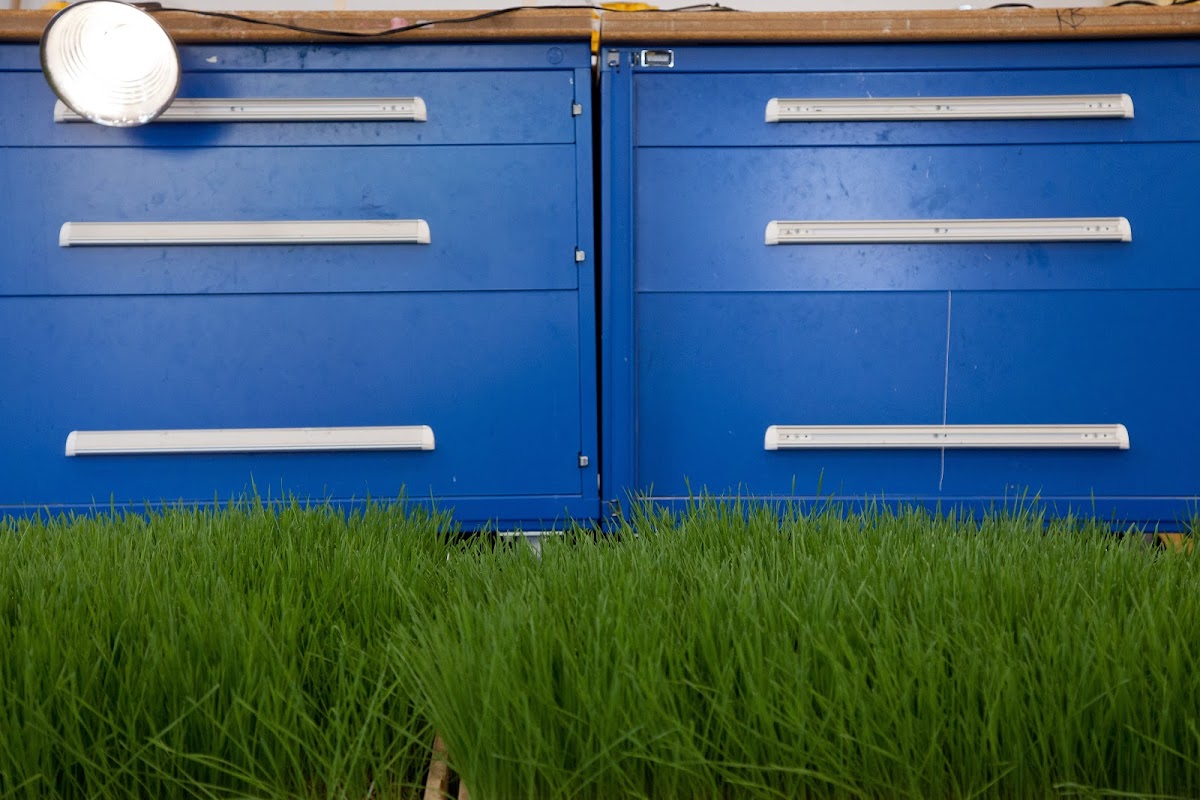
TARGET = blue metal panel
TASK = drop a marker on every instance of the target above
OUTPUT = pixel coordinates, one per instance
(1157, 514)
(494, 375)
(463, 108)
(1078, 357)
(488, 230)
(715, 370)
(847, 57)
(727, 335)
(535, 513)
(728, 110)
(588, 272)
(729, 195)
(618, 388)
(397, 55)
(491, 341)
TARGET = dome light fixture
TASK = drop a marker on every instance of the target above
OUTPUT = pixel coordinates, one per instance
(110, 62)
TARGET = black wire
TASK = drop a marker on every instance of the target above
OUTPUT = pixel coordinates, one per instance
(1113, 5)
(157, 7)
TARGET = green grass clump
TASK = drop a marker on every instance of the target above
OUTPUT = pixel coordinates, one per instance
(726, 655)
(271, 652)
(200, 653)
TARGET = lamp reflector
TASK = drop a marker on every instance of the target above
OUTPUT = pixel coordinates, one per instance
(110, 62)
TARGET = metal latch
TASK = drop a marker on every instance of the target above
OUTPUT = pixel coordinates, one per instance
(656, 58)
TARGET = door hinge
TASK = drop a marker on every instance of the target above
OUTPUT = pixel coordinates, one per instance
(580, 256)
(576, 109)
(614, 60)
(583, 461)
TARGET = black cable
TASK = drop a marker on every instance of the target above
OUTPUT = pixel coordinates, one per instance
(157, 7)
(1112, 5)
(1148, 3)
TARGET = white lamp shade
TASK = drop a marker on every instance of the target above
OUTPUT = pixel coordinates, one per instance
(110, 62)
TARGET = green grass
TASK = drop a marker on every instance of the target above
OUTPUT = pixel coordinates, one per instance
(212, 654)
(253, 652)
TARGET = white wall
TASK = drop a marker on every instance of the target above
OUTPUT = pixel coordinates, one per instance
(745, 5)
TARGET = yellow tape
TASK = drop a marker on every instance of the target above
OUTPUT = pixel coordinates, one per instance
(614, 7)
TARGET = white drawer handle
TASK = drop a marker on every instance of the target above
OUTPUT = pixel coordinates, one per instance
(896, 231)
(249, 440)
(910, 437)
(871, 109)
(366, 231)
(280, 109)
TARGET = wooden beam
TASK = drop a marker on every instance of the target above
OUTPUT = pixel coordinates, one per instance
(679, 27)
(663, 28)
(525, 25)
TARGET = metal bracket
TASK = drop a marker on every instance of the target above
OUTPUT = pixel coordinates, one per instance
(580, 256)
(583, 461)
(576, 109)
(656, 58)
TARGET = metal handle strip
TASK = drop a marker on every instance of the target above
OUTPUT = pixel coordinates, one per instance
(910, 437)
(280, 109)
(248, 440)
(879, 109)
(893, 231)
(373, 231)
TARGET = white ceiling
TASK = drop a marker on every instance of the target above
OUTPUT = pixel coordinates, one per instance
(747, 5)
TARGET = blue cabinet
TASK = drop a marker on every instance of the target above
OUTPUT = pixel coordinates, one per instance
(330, 309)
(952, 274)
(955, 275)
